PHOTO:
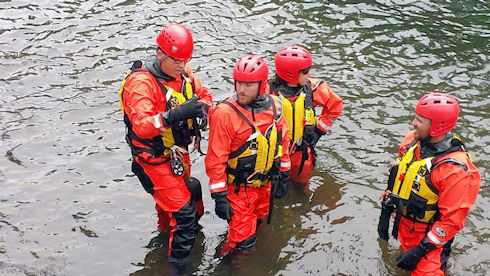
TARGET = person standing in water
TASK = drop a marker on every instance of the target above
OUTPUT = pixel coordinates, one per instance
(300, 94)
(431, 187)
(248, 138)
(164, 107)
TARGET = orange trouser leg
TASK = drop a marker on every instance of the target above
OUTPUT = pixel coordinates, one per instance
(248, 206)
(410, 235)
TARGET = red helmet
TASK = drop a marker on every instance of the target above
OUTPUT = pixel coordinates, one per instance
(175, 40)
(252, 68)
(289, 60)
(442, 109)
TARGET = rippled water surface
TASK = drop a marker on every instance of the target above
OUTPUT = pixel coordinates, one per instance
(69, 204)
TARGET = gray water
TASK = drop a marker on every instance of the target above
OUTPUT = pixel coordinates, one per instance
(71, 206)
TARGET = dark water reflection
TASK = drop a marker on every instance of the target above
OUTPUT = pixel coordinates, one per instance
(71, 206)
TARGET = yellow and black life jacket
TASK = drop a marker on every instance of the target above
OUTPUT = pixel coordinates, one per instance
(300, 113)
(418, 197)
(256, 161)
(179, 135)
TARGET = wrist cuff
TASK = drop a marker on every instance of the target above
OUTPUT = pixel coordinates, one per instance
(218, 195)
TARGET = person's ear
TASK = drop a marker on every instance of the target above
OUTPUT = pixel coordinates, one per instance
(160, 54)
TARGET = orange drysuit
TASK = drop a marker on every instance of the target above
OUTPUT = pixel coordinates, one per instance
(228, 132)
(144, 100)
(457, 183)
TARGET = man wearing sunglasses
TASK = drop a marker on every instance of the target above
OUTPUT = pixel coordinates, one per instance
(300, 95)
(164, 104)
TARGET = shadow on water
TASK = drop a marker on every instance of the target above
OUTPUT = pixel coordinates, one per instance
(156, 262)
(271, 253)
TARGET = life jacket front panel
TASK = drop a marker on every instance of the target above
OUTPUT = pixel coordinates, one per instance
(297, 114)
(252, 163)
(178, 135)
(413, 185)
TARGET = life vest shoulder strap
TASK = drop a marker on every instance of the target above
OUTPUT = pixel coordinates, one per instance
(186, 79)
(246, 144)
(275, 111)
(309, 93)
(439, 160)
(277, 116)
(452, 162)
(239, 113)
(409, 146)
(137, 65)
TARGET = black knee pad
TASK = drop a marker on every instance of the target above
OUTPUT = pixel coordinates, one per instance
(186, 217)
(246, 244)
(186, 231)
(194, 187)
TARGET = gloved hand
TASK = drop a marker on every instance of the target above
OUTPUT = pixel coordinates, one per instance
(187, 110)
(312, 134)
(223, 209)
(282, 185)
(409, 259)
(384, 220)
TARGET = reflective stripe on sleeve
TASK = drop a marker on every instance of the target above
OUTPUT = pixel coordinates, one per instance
(285, 164)
(217, 185)
(158, 122)
(323, 125)
(434, 239)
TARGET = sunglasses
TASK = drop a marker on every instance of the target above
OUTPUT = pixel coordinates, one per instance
(179, 61)
(305, 71)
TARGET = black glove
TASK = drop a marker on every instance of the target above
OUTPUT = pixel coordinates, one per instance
(384, 220)
(409, 259)
(187, 110)
(223, 209)
(312, 134)
(282, 185)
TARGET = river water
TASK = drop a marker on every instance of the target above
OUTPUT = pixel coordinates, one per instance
(69, 204)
